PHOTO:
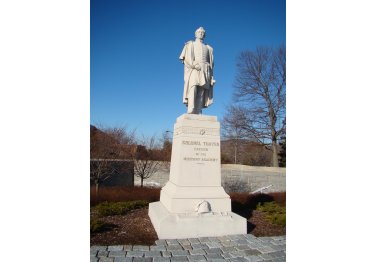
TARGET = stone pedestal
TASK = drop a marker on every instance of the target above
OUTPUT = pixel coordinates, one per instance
(193, 202)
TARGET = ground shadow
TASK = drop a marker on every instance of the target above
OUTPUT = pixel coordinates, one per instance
(250, 227)
(245, 208)
(101, 227)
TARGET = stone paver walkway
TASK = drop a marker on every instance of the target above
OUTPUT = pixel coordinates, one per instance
(247, 248)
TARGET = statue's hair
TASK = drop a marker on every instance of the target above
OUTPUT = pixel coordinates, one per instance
(200, 29)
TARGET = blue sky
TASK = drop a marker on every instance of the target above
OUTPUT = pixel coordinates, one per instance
(136, 78)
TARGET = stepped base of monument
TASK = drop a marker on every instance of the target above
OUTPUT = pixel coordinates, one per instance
(192, 225)
(185, 199)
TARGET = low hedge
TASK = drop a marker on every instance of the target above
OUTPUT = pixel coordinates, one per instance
(275, 213)
(97, 226)
(119, 208)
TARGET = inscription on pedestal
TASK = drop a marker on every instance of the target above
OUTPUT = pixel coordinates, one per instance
(202, 151)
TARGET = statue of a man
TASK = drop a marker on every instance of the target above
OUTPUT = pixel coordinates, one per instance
(198, 73)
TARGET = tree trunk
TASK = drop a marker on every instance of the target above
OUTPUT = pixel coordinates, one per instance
(236, 150)
(275, 153)
(142, 182)
(273, 120)
(96, 189)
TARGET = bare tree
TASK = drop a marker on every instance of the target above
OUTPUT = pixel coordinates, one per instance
(107, 145)
(100, 171)
(248, 152)
(112, 142)
(123, 142)
(259, 107)
(234, 133)
(166, 146)
(146, 159)
(282, 152)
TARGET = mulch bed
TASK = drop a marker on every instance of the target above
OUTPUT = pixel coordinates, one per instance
(135, 228)
(262, 227)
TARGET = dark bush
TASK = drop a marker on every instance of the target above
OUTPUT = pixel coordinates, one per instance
(279, 197)
(243, 204)
(97, 226)
(254, 199)
(118, 208)
(117, 194)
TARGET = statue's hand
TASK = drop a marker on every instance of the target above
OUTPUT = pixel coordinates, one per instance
(197, 67)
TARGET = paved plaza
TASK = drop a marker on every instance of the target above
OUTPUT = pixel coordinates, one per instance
(247, 248)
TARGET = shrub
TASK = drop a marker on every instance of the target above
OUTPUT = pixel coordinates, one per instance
(118, 208)
(277, 219)
(279, 197)
(243, 204)
(275, 213)
(97, 226)
(120, 193)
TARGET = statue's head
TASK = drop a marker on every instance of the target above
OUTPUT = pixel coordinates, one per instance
(200, 33)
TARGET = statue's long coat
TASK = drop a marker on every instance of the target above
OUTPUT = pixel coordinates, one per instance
(187, 57)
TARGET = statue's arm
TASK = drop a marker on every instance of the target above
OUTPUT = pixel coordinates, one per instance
(182, 55)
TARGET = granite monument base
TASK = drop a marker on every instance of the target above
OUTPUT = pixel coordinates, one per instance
(193, 203)
(192, 225)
